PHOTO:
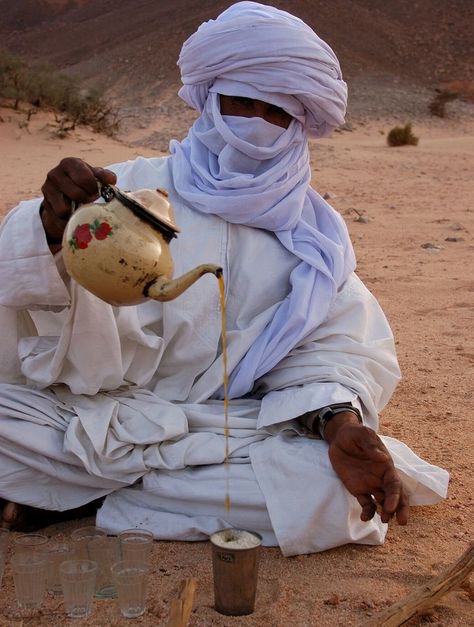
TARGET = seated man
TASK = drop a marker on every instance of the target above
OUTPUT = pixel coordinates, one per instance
(127, 402)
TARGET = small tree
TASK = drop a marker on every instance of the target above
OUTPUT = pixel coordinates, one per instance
(13, 72)
(42, 87)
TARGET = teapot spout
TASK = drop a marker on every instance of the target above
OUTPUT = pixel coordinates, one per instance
(164, 289)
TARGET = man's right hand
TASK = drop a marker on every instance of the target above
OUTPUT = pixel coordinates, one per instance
(72, 180)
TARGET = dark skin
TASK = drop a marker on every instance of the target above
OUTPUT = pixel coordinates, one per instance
(357, 454)
(251, 108)
(365, 467)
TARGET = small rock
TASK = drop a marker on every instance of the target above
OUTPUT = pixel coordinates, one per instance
(327, 196)
(347, 126)
(431, 246)
(455, 226)
(454, 239)
(362, 219)
(366, 605)
(334, 600)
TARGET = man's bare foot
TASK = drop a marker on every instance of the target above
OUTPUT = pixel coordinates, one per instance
(17, 517)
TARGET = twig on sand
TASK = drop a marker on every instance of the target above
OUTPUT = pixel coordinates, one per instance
(182, 606)
(425, 596)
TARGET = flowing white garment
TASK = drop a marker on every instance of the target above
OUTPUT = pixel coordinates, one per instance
(254, 173)
(162, 433)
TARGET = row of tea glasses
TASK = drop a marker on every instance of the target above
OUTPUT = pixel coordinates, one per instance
(92, 564)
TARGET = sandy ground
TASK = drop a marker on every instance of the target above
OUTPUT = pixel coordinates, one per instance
(410, 212)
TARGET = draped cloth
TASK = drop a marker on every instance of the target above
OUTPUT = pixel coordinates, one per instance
(158, 365)
(250, 172)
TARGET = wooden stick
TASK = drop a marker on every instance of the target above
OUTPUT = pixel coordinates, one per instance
(425, 596)
(182, 606)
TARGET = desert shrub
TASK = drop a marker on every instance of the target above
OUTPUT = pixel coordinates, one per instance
(402, 136)
(13, 78)
(43, 87)
(438, 105)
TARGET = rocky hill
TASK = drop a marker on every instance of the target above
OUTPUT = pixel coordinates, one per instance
(131, 46)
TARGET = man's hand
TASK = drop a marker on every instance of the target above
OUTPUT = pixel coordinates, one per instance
(366, 468)
(72, 180)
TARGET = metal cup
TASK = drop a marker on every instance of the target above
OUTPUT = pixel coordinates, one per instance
(235, 557)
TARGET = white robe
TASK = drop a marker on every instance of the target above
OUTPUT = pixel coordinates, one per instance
(98, 400)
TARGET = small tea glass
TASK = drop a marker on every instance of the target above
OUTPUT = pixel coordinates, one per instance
(57, 551)
(30, 543)
(80, 539)
(29, 575)
(105, 551)
(131, 579)
(136, 545)
(78, 584)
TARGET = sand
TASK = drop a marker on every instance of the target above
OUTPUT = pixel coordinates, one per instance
(410, 212)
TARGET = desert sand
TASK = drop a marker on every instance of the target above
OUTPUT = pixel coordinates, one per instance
(410, 212)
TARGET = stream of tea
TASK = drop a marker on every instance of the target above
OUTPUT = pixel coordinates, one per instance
(226, 384)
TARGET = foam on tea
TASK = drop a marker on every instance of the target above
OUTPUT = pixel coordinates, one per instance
(235, 539)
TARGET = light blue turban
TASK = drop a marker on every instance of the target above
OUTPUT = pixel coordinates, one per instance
(265, 53)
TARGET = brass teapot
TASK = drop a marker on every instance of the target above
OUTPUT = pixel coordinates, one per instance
(119, 250)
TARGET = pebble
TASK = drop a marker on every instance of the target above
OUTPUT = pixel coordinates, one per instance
(431, 246)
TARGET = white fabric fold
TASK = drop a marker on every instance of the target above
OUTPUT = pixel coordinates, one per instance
(251, 172)
(165, 438)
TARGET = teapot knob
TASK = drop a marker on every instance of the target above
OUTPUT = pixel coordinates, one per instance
(106, 191)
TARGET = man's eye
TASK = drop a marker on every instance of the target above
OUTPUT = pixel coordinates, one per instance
(277, 110)
(241, 100)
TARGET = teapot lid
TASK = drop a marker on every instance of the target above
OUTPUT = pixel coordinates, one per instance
(149, 204)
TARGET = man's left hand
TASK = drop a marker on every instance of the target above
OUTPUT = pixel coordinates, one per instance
(366, 468)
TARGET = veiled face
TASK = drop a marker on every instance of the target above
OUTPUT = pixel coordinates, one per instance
(252, 108)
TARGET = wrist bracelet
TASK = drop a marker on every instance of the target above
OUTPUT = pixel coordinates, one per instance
(315, 421)
(326, 414)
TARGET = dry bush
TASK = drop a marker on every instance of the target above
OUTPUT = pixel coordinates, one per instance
(402, 136)
(43, 87)
(13, 78)
(438, 105)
